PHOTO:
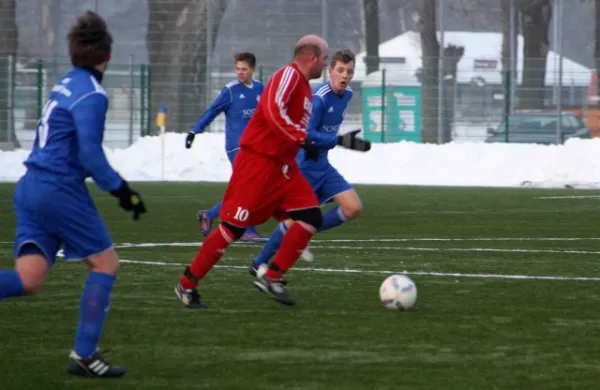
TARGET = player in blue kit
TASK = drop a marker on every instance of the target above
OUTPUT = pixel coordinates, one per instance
(52, 203)
(238, 100)
(330, 101)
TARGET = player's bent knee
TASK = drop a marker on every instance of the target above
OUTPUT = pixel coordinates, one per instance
(32, 270)
(350, 204)
(352, 210)
(288, 222)
(235, 230)
(311, 216)
(106, 262)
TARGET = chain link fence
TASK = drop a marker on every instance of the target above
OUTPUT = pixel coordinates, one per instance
(180, 52)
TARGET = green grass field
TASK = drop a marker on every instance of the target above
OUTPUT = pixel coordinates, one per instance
(508, 281)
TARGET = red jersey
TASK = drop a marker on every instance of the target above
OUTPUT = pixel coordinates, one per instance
(278, 127)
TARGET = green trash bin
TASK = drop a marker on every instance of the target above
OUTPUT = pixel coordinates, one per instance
(400, 92)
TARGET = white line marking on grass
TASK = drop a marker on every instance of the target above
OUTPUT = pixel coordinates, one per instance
(373, 240)
(569, 197)
(388, 248)
(382, 272)
(155, 197)
(497, 250)
(466, 239)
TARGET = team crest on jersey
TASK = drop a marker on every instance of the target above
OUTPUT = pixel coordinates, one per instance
(307, 104)
(258, 98)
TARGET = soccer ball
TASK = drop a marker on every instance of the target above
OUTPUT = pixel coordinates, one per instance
(398, 292)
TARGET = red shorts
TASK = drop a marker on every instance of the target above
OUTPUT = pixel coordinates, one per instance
(261, 188)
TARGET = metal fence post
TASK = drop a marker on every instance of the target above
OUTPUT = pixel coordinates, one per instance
(559, 44)
(507, 103)
(149, 105)
(40, 87)
(131, 99)
(383, 105)
(440, 95)
(142, 99)
(10, 97)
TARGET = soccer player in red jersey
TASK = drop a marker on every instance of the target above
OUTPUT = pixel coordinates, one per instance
(266, 181)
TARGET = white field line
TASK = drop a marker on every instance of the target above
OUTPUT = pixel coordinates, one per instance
(569, 197)
(373, 240)
(384, 248)
(383, 272)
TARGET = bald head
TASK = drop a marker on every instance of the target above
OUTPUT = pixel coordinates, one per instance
(310, 55)
(310, 44)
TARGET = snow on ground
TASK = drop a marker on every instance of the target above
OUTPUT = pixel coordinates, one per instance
(575, 164)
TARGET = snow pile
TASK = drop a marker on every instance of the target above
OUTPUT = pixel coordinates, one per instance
(575, 164)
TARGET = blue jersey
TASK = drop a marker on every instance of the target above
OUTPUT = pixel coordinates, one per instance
(328, 111)
(238, 101)
(52, 203)
(68, 143)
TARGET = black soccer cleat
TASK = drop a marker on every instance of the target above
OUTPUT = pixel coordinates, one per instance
(274, 288)
(93, 367)
(253, 270)
(190, 298)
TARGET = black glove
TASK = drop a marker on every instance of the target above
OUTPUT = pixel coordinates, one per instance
(311, 151)
(129, 200)
(350, 141)
(189, 139)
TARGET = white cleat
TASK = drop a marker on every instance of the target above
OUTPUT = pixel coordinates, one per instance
(307, 255)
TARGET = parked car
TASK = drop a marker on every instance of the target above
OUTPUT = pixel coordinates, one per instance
(539, 127)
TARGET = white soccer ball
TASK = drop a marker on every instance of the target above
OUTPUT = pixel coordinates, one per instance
(398, 292)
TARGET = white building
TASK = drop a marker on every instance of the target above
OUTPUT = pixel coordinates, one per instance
(482, 58)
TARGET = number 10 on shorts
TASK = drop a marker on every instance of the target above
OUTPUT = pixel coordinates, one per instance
(241, 214)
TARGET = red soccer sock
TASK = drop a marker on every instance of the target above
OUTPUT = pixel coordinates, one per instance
(294, 242)
(209, 253)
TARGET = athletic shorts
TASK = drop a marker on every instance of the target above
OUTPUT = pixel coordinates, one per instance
(53, 215)
(231, 154)
(261, 188)
(326, 183)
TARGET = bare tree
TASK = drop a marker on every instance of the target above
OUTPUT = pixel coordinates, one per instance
(429, 73)
(597, 45)
(507, 35)
(8, 50)
(371, 10)
(536, 16)
(179, 43)
(46, 46)
(429, 76)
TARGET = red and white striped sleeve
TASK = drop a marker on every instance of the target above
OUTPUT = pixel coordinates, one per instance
(283, 86)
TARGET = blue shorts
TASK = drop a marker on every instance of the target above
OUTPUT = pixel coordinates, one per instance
(231, 154)
(52, 215)
(326, 183)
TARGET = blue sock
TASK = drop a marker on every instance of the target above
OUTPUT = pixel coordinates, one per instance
(10, 284)
(272, 245)
(213, 213)
(332, 218)
(93, 308)
(251, 229)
